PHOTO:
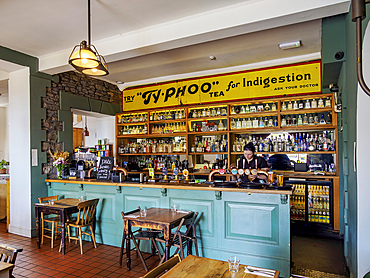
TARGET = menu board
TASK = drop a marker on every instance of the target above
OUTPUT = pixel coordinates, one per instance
(105, 168)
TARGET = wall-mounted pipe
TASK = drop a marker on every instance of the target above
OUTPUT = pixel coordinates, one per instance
(359, 14)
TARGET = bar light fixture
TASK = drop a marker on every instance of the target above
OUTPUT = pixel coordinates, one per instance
(85, 57)
(289, 45)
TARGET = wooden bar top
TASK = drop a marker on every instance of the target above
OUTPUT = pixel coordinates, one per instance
(185, 186)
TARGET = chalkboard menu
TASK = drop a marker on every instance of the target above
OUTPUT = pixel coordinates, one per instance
(105, 168)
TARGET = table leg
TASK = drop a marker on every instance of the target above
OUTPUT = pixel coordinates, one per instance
(128, 247)
(62, 220)
(166, 235)
(38, 216)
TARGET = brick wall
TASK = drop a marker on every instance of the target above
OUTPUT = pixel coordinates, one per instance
(74, 83)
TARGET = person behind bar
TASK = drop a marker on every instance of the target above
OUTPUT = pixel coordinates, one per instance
(251, 161)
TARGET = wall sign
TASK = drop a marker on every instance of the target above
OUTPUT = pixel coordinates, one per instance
(303, 78)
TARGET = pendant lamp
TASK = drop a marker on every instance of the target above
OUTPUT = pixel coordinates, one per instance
(85, 57)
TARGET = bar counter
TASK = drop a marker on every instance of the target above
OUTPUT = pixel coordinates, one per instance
(253, 224)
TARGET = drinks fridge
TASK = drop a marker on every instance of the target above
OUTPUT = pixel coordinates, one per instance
(311, 207)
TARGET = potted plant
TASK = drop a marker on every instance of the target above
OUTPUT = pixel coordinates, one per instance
(3, 163)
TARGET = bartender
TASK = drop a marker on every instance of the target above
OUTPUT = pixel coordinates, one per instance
(251, 161)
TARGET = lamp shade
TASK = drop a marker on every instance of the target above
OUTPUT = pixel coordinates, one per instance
(83, 56)
(100, 70)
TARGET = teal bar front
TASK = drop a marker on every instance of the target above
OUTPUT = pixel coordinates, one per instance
(250, 224)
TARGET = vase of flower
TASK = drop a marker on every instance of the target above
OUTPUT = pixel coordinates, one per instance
(60, 161)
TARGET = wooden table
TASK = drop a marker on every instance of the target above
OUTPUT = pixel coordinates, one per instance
(5, 269)
(156, 219)
(62, 208)
(198, 267)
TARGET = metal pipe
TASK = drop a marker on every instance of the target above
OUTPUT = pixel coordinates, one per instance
(360, 76)
(358, 14)
(89, 22)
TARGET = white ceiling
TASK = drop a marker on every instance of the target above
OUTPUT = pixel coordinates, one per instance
(149, 41)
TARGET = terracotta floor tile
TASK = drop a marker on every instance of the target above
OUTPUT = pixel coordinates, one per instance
(47, 262)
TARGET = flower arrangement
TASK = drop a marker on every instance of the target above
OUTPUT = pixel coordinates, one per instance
(59, 161)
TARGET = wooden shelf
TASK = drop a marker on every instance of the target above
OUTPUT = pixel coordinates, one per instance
(307, 127)
(207, 118)
(255, 115)
(306, 111)
(255, 130)
(209, 133)
(308, 152)
(149, 154)
(133, 123)
(176, 134)
(167, 121)
(209, 153)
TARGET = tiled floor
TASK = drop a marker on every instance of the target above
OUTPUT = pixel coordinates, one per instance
(47, 262)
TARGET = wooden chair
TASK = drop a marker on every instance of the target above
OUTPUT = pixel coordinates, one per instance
(136, 237)
(85, 218)
(9, 254)
(50, 218)
(163, 267)
(189, 236)
(180, 240)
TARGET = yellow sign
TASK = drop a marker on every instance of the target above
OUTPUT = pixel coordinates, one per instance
(301, 78)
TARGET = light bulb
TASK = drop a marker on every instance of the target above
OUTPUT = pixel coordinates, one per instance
(94, 70)
(84, 61)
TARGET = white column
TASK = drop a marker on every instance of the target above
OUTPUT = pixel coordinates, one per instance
(19, 152)
(363, 173)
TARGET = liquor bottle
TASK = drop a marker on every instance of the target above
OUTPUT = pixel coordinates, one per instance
(238, 124)
(275, 122)
(249, 123)
(223, 111)
(267, 107)
(283, 106)
(242, 109)
(290, 105)
(328, 121)
(300, 105)
(288, 121)
(204, 113)
(322, 120)
(213, 112)
(247, 109)
(283, 121)
(294, 120)
(266, 122)
(261, 123)
(232, 110)
(273, 107)
(233, 124)
(218, 112)
(244, 123)
(310, 120)
(299, 121)
(307, 104)
(316, 119)
(199, 113)
(220, 125)
(328, 102)
(320, 103)
(295, 105)
(314, 103)
(255, 123)
(270, 123)
(208, 113)
(305, 119)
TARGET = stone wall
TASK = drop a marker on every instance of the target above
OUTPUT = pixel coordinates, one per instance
(78, 84)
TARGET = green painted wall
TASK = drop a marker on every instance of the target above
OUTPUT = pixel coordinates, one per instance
(38, 84)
